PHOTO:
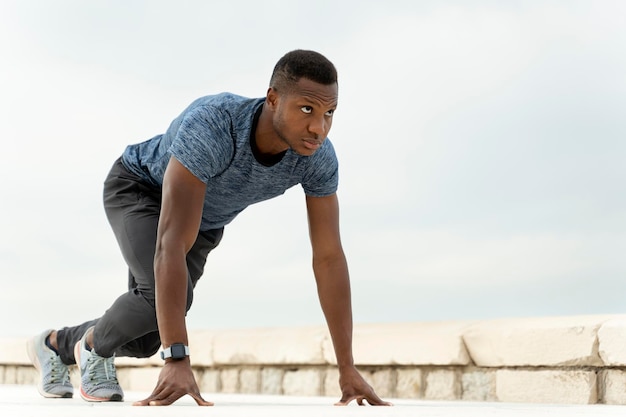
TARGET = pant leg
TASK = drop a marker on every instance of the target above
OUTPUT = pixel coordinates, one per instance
(67, 338)
(148, 344)
(129, 326)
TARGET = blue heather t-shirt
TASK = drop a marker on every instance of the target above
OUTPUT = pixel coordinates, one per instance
(211, 138)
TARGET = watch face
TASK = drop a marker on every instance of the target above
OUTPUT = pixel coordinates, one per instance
(178, 351)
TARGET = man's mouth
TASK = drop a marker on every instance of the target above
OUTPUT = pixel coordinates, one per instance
(311, 144)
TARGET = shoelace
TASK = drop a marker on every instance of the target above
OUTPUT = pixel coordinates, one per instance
(58, 371)
(102, 370)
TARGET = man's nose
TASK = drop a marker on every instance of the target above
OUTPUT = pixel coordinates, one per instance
(317, 126)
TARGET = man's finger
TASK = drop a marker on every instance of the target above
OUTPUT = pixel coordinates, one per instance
(153, 396)
(146, 401)
(143, 402)
(156, 401)
(345, 400)
(201, 401)
(164, 399)
(156, 395)
(371, 400)
(375, 400)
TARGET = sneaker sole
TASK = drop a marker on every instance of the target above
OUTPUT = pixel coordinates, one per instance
(83, 394)
(32, 354)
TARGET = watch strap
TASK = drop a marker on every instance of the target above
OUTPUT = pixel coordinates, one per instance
(175, 351)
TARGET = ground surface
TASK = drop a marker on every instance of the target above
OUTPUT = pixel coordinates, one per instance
(24, 401)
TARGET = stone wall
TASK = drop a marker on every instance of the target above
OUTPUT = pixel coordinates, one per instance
(575, 360)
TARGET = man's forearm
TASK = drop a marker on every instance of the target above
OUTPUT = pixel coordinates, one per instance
(333, 286)
(171, 297)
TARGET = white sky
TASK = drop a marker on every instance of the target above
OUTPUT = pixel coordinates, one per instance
(481, 146)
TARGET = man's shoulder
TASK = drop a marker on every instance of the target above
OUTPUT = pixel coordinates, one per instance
(227, 102)
(326, 153)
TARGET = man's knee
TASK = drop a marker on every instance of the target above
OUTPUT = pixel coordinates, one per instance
(148, 352)
(143, 347)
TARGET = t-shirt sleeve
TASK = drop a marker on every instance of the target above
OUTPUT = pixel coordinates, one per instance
(203, 142)
(321, 178)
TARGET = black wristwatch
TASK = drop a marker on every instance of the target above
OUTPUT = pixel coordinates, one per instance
(177, 351)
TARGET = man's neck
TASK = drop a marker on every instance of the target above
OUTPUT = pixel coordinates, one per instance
(267, 141)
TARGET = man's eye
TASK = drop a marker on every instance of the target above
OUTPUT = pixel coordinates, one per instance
(306, 109)
(330, 112)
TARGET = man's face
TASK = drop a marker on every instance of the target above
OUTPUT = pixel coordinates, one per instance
(304, 115)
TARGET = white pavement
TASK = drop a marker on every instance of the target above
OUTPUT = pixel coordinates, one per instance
(24, 401)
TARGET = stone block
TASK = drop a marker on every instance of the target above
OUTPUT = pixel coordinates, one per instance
(409, 383)
(442, 385)
(10, 374)
(331, 383)
(20, 374)
(437, 343)
(209, 381)
(302, 382)
(272, 381)
(229, 381)
(611, 337)
(270, 346)
(478, 385)
(547, 386)
(138, 379)
(249, 381)
(27, 375)
(383, 381)
(553, 341)
(613, 387)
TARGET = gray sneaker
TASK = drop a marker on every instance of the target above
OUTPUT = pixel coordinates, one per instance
(98, 380)
(54, 375)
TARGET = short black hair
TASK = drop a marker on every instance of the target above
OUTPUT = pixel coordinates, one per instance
(302, 63)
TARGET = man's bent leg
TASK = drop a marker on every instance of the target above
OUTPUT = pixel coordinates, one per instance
(140, 338)
(132, 208)
(129, 327)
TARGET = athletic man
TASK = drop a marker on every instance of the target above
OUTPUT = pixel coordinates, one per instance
(168, 200)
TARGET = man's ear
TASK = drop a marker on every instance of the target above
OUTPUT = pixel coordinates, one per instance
(272, 98)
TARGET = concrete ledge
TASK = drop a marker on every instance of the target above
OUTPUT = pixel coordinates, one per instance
(270, 346)
(13, 351)
(555, 341)
(439, 343)
(612, 341)
(574, 360)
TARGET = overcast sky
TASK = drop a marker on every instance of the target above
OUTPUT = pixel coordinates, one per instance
(481, 148)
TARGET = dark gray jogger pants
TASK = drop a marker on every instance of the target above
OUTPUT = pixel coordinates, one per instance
(129, 326)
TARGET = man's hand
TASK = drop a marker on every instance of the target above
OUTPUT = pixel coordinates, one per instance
(175, 381)
(354, 387)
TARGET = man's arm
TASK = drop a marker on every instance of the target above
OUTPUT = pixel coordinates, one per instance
(179, 223)
(333, 287)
